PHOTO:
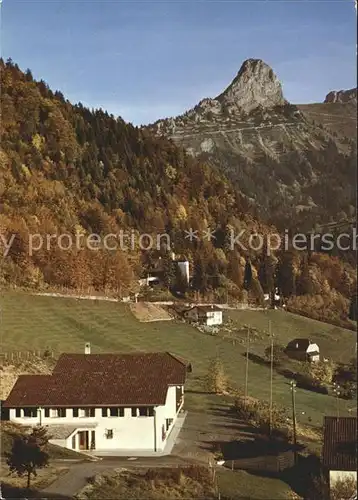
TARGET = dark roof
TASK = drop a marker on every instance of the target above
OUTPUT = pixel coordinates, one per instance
(101, 379)
(205, 309)
(302, 344)
(340, 443)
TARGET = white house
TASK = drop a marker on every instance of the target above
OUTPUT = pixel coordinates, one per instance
(104, 402)
(339, 455)
(303, 350)
(208, 315)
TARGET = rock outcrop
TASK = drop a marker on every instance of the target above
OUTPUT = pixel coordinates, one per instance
(342, 96)
(255, 85)
(278, 155)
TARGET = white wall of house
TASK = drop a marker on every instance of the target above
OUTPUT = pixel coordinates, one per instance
(128, 432)
(336, 475)
(214, 318)
(168, 411)
(312, 348)
(208, 317)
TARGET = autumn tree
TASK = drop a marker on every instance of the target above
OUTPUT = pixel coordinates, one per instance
(27, 454)
(217, 381)
(304, 280)
(235, 270)
(321, 371)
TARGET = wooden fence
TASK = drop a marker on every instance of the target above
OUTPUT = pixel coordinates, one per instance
(18, 356)
(266, 463)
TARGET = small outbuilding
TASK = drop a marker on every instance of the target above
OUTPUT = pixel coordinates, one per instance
(207, 315)
(339, 455)
(303, 350)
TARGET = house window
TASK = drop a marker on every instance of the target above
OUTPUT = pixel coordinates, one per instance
(143, 411)
(30, 412)
(75, 412)
(146, 411)
(47, 412)
(109, 433)
(86, 412)
(58, 412)
(168, 423)
(18, 412)
(116, 412)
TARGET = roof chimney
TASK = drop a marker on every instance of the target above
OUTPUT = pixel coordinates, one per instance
(87, 348)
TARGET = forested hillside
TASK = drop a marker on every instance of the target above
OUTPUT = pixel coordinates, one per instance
(65, 169)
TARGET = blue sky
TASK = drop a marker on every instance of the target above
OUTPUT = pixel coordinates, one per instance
(148, 59)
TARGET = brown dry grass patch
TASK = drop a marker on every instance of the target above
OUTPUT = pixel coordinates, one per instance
(146, 312)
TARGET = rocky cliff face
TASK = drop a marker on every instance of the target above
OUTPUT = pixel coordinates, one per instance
(342, 96)
(281, 157)
(255, 85)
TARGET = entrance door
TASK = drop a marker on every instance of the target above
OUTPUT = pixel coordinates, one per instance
(83, 440)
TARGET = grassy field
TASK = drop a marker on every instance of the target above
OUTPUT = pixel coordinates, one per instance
(64, 325)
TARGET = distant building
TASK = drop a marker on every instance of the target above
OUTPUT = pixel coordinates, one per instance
(339, 455)
(207, 315)
(303, 350)
(104, 402)
(155, 273)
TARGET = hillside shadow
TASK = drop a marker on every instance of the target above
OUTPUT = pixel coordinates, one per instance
(256, 359)
(13, 492)
(254, 446)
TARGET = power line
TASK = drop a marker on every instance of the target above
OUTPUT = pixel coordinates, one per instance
(293, 390)
(247, 364)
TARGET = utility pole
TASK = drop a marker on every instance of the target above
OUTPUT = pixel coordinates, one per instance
(337, 392)
(271, 375)
(293, 390)
(247, 364)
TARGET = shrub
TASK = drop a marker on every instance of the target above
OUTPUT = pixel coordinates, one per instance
(257, 413)
(323, 372)
(343, 489)
(217, 381)
(278, 354)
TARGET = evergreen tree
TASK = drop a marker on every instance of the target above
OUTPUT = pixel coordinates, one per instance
(200, 279)
(169, 274)
(247, 275)
(286, 279)
(27, 454)
(353, 308)
(267, 270)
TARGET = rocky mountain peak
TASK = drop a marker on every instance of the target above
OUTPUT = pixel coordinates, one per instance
(255, 85)
(342, 96)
